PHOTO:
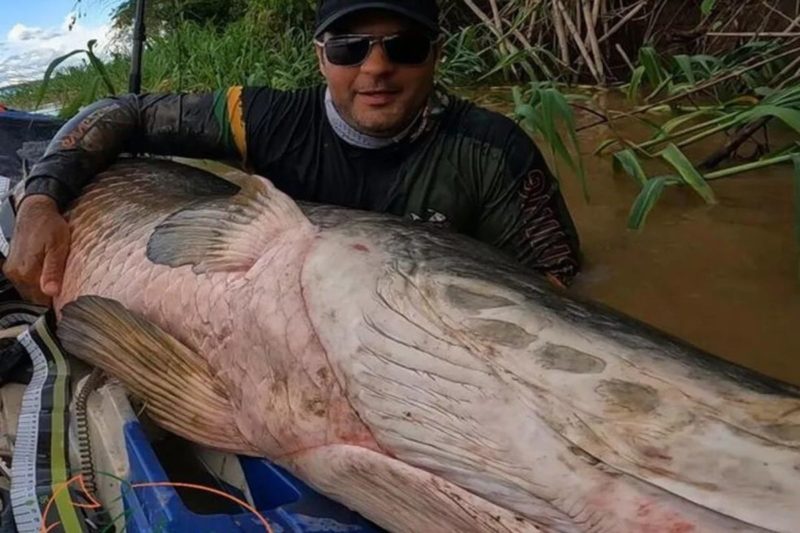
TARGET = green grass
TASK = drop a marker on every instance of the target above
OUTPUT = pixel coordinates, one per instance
(193, 57)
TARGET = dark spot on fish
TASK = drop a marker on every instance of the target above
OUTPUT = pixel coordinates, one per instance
(474, 301)
(316, 406)
(628, 396)
(500, 332)
(407, 414)
(360, 248)
(322, 374)
(566, 359)
(786, 432)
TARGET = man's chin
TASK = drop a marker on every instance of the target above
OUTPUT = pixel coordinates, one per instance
(380, 127)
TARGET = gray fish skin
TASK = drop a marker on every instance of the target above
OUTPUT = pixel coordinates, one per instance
(451, 389)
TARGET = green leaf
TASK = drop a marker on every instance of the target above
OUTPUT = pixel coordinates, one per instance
(636, 83)
(516, 93)
(707, 6)
(790, 117)
(603, 145)
(688, 172)
(630, 163)
(93, 92)
(558, 108)
(101, 69)
(644, 203)
(709, 64)
(542, 115)
(680, 88)
(49, 72)
(649, 60)
(789, 97)
(669, 126)
(685, 64)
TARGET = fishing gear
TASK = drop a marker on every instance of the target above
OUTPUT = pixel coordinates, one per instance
(139, 36)
(39, 494)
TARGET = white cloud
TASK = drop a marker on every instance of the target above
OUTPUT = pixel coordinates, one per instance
(26, 51)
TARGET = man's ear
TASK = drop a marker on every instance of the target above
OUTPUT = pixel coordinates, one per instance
(320, 59)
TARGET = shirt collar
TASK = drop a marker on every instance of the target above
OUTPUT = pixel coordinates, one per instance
(421, 124)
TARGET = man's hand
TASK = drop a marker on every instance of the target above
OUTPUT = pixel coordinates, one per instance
(39, 250)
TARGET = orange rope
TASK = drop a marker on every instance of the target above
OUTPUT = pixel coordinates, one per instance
(95, 504)
(61, 487)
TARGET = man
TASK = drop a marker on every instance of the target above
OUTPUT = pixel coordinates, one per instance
(379, 136)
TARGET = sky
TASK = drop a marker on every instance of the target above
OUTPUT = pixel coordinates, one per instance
(34, 32)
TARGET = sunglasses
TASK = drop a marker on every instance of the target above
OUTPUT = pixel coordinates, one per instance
(407, 48)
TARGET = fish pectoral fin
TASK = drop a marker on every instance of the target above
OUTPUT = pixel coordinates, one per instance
(179, 389)
(399, 496)
(226, 234)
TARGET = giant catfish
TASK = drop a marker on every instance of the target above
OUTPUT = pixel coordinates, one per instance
(420, 378)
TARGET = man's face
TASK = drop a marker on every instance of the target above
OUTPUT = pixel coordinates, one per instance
(378, 97)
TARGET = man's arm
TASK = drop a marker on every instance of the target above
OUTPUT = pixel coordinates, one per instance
(525, 214)
(189, 125)
(205, 125)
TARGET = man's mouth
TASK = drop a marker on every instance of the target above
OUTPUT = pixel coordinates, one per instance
(378, 98)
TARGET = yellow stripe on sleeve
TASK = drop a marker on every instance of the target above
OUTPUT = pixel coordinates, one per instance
(236, 121)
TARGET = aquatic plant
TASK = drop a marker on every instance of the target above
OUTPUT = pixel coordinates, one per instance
(546, 111)
(718, 84)
(740, 117)
(761, 92)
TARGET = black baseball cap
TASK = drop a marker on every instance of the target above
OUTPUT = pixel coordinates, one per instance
(426, 12)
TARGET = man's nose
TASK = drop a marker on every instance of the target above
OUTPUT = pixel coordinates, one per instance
(377, 62)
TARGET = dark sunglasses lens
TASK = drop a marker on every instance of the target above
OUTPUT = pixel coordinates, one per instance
(347, 51)
(408, 49)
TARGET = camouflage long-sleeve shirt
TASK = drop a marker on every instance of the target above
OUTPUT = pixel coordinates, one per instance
(469, 168)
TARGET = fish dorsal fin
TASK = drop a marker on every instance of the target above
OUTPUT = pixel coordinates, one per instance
(179, 388)
(226, 234)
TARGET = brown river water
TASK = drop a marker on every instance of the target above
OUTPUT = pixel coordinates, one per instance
(724, 277)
